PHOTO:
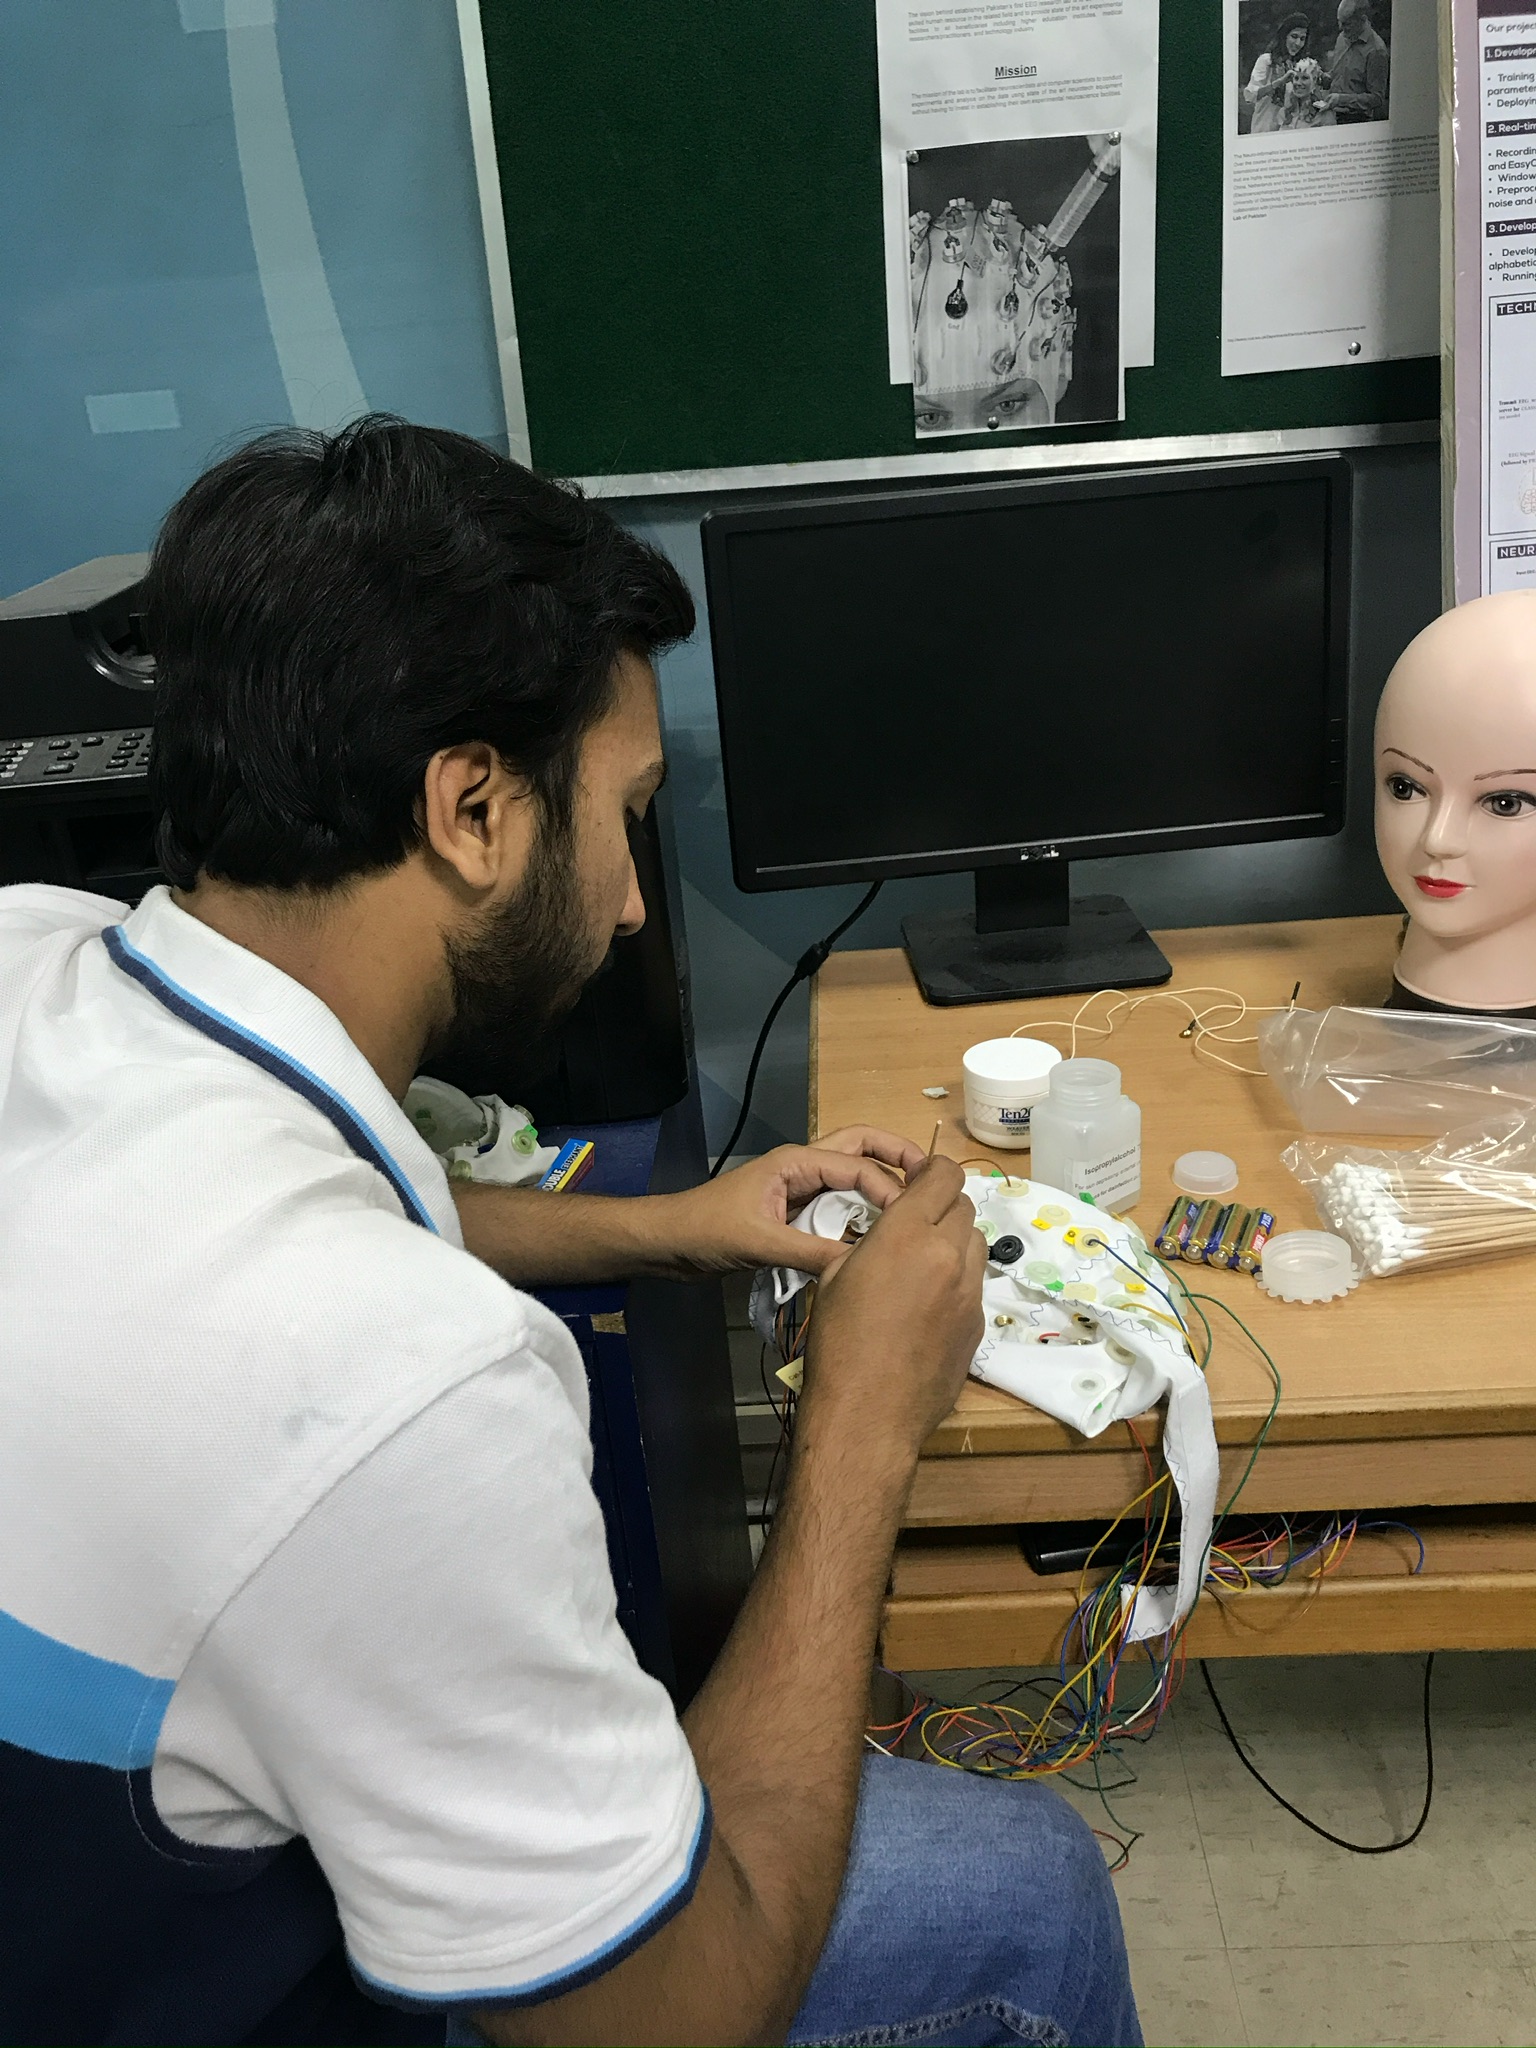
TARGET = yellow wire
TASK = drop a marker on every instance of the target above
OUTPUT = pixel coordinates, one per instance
(1199, 1030)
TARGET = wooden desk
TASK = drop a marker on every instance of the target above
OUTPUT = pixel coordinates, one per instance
(1417, 1390)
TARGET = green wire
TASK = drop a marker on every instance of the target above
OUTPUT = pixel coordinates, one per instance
(1274, 1406)
(1194, 1301)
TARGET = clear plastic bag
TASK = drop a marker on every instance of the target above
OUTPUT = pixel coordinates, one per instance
(1399, 1071)
(1469, 1195)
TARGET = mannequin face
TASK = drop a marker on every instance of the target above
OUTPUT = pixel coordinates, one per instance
(1456, 779)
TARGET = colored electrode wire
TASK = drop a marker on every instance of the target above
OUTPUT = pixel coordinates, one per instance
(1102, 1699)
(811, 961)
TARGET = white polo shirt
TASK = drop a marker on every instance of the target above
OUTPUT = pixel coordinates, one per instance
(293, 1489)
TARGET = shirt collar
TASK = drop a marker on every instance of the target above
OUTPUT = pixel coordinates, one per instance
(235, 988)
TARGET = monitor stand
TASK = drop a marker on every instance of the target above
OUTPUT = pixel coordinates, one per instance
(1029, 936)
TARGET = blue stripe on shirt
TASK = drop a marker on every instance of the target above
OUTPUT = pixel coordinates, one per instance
(272, 1060)
(61, 1702)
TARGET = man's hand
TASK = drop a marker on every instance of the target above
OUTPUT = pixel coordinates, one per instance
(742, 1219)
(898, 1319)
(736, 1222)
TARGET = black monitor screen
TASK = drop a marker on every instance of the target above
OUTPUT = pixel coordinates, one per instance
(1111, 665)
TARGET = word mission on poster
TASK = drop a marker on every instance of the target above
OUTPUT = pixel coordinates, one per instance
(1018, 159)
(1330, 247)
(1494, 240)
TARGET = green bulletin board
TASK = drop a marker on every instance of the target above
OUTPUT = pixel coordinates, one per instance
(692, 196)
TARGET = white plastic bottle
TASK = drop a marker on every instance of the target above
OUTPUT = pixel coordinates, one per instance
(1086, 1135)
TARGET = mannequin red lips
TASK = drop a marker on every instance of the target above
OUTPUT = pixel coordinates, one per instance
(1441, 891)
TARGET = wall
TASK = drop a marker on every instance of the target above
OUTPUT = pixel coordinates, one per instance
(210, 230)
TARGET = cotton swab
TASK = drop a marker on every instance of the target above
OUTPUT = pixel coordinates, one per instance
(1394, 1216)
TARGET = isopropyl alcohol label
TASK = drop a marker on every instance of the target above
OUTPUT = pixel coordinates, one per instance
(1113, 1180)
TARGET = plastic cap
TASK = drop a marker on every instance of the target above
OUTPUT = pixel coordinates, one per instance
(1308, 1265)
(1085, 1080)
(1011, 1059)
(1204, 1173)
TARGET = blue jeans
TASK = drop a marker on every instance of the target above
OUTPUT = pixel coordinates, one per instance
(973, 1910)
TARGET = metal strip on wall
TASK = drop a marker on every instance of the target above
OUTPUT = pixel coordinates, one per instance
(1017, 459)
(493, 227)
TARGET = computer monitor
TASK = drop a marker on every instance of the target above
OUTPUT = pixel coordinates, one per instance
(1006, 677)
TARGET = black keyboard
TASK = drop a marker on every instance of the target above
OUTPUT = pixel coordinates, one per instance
(74, 757)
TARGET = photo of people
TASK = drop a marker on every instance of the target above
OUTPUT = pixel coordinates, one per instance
(1319, 66)
(1006, 333)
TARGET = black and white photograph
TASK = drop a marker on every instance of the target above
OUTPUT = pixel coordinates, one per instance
(1015, 273)
(1326, 65)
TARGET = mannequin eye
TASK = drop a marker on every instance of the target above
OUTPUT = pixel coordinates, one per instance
(1508, 803)
(1404, 788)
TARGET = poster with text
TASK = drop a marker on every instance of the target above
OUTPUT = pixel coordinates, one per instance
(1490, 392)
(1330, 186)
(960, 73)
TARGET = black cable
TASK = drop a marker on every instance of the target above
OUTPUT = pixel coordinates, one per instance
(1338, 1841)
(813, 958)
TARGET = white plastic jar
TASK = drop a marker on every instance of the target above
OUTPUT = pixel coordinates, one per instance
(1086, 1135)
(1004, 1079)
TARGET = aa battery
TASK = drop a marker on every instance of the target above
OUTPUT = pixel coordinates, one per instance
(1204, 1227)
(1222, 1249)
(1250, 1250)
(1175, 1228)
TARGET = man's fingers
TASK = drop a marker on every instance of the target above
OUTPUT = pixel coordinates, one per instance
(806, 1253)
(933, 1189)
(807, 1173)
(875, 1144)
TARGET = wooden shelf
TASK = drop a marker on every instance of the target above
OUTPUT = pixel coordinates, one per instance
(971, 1601)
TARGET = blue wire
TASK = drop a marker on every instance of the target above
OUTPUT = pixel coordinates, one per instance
(1408, 1529)
(1148, 1281)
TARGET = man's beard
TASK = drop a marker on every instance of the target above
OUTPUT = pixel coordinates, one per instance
(523, 970)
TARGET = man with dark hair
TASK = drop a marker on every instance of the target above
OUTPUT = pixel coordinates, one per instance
(1359, 71)
(310, 1672)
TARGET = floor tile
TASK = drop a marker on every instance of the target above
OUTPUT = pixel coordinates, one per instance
(1186, 1998)
(1165, 1894)
(1360, 1774)
(1452, 1993)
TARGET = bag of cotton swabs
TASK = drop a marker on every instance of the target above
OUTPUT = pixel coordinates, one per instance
(1468, 1195)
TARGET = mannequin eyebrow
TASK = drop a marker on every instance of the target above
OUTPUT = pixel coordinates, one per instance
(1424, 764)
(1494, 774)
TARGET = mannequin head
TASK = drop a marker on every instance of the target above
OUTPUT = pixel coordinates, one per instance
(1456, 804)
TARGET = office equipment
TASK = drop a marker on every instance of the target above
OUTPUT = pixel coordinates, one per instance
(76, 721)
(1410, 1393)
(1007, 677)
(734, 165)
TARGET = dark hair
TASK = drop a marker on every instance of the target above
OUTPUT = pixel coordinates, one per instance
(1278, 40)
(326, 611)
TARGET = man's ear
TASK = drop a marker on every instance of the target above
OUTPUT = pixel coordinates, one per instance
(479, 816)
